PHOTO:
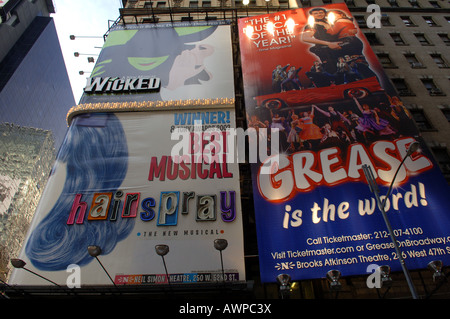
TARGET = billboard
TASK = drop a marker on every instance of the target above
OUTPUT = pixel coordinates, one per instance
(311, 74)
(154, 62)
(118, 183)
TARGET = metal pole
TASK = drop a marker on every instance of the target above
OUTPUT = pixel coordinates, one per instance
(223, 272)
(41, 276)
(104, 269)
(381, 205)
(165, 268)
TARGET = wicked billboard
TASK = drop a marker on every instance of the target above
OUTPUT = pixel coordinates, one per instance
(311, 74)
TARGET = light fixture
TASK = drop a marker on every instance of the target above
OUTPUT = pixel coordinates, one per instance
(95, 251)
(311, 22)
(221, 244)
(163, 250)
(436, 267)
(77, 54)
(331, 18)
(290, 25)
(333, 277)
(20, 264)
(284, 280)
(413, 148)
(385, 272)
(267, 5)
(381, 206)
(245, 2)
(248, 30)
(72, 37)
(270, 27)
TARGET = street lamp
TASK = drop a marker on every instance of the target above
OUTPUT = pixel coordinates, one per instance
(381, 206)
(385, 272)
(162, 250)
(72, 37)
(284, 280)
(245, 3)
(436, 267)
(221, 244)
(95, 251)
(20, 264)
(333, 277)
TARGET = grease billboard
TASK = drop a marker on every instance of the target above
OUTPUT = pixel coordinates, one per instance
(311, 74)
(115, 183)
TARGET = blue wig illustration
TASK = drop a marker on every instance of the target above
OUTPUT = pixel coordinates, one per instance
(95, 154)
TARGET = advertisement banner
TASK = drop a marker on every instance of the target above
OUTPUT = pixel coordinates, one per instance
(310, 75)
(130, 179)
(115, 185)
(161, 62)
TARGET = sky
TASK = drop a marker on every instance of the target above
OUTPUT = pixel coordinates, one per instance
(87, 19)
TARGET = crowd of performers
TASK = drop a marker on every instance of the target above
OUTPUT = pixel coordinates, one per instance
(316, 127)
(339, 60)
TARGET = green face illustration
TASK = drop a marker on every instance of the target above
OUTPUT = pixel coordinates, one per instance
(146, 64)
(130, 52)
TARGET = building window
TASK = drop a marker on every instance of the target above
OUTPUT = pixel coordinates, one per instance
(306, 3)
(350, 3)
(414, 3)
(446, 112)
(413, 61)
(422, 39)
(397, 38)
(393, 3)
(385, 21)
(435, 4)
(206, 4)
(193, 4)
(421, 120)
(385, 60)
(429, 20)
(402, 87)
(407, 21)
(439, 60)
(283, 3)
(444, 37)
(361, 21)
(161, 4)
(431, 87)
(443, 159)
(148, 4)
(372, 38)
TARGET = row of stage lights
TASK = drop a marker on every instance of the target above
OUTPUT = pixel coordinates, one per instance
(333, 277)
(95, 251)
(289, 24)
(284, 280)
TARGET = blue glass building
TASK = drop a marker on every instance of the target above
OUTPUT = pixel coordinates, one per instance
(34, 86)
(35, 96)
